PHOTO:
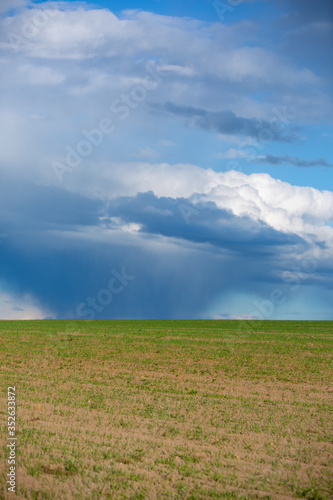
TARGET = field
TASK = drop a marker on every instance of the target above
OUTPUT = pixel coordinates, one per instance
(169, 409)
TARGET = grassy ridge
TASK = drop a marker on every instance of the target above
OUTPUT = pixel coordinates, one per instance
(171, 409)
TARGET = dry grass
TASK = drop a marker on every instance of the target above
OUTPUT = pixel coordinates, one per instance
(184, 409)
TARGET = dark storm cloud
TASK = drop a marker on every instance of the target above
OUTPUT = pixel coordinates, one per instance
(307, 32)
(293, 160)
(59, 260)
(226, 122)
(46, 206)
(199, 223)
(309, 10)
(167, 284)
(306, 10)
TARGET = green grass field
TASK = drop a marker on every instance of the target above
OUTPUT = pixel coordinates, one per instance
(169, 409)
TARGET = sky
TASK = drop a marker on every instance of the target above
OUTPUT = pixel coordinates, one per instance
(166, 160)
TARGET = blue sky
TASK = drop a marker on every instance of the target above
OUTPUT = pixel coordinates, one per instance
(166, 159)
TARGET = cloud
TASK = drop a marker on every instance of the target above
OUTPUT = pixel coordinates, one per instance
(7, 5)
(226, 122)
(304, 30)
(283, 206)
(147, 154)
(178, 70)
(307, 10)
(46, 207)
(232, 154)
(222, 233)
(181, 44)
(292, 209)
(292, 160)
(37, 75)
(166, 143)
(184, 252)
(13, 307)
(302, 10)
(170, 217)
(209, 68)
